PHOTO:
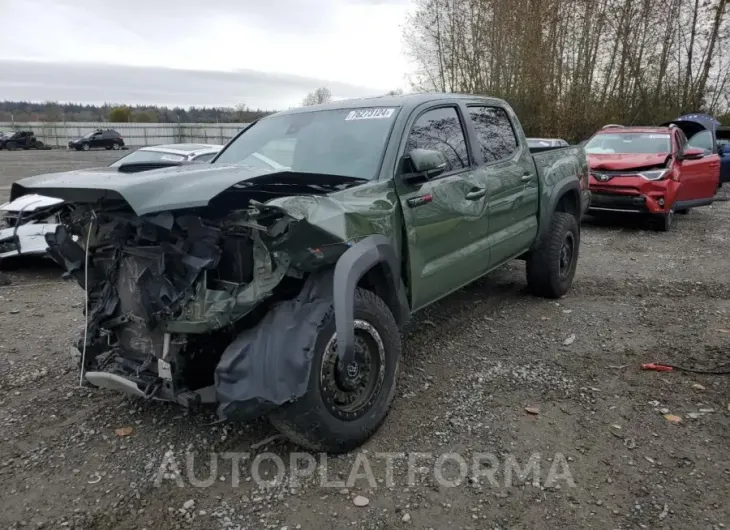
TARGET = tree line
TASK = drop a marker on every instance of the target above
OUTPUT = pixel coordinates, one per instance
(25, 111)
(570, 66)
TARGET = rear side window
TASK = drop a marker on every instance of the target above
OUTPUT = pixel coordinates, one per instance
(441, 130)
(496, 136)
(205, 158)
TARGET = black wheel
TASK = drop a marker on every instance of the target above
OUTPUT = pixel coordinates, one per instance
(108, 148)
(11, 146)
(551, 267)
(116, 146)
(39, 145)
(339, 414)
(663, 222)
(85, 147)
(683, 211)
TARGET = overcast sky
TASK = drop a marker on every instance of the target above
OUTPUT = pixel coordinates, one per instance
(264, 53)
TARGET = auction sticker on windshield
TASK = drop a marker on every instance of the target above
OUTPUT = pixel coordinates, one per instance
(370, 114)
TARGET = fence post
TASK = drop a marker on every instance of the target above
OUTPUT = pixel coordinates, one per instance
(146, 141)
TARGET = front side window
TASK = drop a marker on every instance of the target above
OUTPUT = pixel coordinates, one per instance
(496, 136)
(441, 130)
(343, 142)
(701, 140)
(629, 143)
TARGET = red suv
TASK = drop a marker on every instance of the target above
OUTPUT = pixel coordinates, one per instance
(649, 170)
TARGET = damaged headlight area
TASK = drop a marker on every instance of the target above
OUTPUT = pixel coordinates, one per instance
(25, 222)
(167, 293)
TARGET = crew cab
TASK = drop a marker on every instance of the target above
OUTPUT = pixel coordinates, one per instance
(284, 291)
(651, 171)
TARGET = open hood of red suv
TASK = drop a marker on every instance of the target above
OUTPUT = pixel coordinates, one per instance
(619, 162)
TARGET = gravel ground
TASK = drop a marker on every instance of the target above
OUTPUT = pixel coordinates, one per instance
(472, 367)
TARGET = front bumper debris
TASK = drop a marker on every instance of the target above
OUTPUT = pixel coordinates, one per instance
(633, 194)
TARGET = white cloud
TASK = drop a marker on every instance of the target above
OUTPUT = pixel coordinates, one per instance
(357, 42)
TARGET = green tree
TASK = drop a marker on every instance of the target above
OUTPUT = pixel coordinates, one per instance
(120, 114)
(145, 116)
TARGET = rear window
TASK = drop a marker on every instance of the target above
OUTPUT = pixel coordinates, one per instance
(147, 156)
(629, 143)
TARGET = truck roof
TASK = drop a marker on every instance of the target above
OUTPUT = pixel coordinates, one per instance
(406, 100)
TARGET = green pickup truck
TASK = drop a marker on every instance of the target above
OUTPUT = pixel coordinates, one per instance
(277, 280)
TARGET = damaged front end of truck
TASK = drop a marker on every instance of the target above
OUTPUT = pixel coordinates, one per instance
(170, 290)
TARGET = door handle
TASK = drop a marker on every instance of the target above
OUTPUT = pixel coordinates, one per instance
(527, 177)
(475, 194)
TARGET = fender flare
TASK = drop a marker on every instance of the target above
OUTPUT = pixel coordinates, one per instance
(354, 263)
(546, 214)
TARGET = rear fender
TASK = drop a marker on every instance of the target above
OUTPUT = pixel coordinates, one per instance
(354, 263)
(568, 185)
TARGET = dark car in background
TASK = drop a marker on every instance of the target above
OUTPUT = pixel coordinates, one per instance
(20, 140)
(106, 139)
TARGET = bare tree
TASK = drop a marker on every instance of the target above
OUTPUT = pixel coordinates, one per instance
(570, 66)
(321, 95)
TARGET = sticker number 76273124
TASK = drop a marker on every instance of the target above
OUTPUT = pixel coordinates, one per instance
(370, 114)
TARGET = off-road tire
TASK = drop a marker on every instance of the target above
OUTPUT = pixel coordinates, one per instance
(308, 422)
(544, 276)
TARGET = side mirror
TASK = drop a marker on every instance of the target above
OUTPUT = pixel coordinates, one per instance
(692, 153)
(426, 164)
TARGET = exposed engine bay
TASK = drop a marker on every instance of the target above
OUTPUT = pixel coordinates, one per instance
(169, 292)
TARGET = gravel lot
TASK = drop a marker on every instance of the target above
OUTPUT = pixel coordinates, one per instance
(472, 365)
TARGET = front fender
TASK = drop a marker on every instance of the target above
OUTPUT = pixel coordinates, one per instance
(354, 263)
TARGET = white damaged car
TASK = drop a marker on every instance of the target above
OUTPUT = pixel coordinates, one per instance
(25, 221)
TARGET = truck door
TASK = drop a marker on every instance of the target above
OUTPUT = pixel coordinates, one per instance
(698, 179)
(509, 172)
(97, 140)
(445, 216)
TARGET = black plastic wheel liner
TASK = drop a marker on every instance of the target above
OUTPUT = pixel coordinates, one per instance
(269, 364)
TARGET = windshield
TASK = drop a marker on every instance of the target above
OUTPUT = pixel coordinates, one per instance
(628, 143)
(147, 156)
(342, 142)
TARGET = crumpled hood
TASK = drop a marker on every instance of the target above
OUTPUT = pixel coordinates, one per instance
(145, 192)
(619, 162)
